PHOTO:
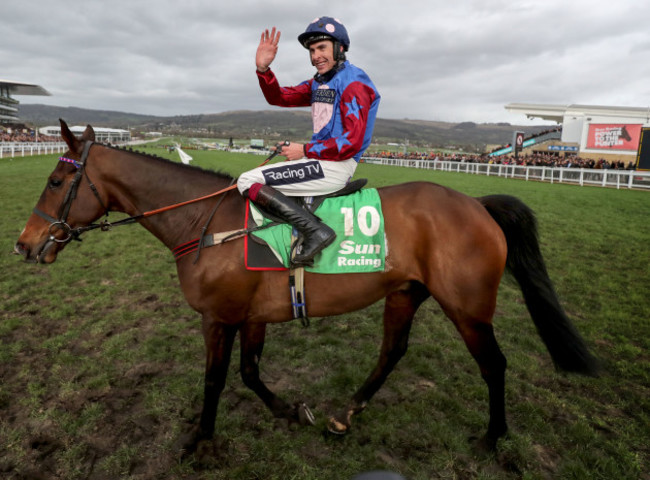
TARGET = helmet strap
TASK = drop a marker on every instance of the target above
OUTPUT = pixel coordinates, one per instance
(339, 54)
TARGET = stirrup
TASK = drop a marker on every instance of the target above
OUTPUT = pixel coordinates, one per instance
(300, 263)
(297, 251)
(309, 261)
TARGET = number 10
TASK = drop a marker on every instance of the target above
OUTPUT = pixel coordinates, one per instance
(362, 220)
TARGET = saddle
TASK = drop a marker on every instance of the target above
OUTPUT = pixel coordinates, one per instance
(350, 188)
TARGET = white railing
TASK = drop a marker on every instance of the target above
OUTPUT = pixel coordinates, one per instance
(23, 149)
(578, 176)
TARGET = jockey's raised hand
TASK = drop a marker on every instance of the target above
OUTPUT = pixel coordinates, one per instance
(267, 49)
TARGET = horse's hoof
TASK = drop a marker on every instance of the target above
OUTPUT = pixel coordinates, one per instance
(484, 444)
(305, 417)
(186, 445)
(336, 427)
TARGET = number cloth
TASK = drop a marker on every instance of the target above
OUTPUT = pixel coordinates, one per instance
(360, 244)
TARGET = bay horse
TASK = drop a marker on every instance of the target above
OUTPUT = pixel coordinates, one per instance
(441, 244)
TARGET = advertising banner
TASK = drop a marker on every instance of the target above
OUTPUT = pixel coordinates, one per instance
(614, 136)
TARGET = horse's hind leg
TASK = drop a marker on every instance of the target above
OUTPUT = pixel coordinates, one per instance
(399, 310)
(252, 344)
(471, 310)
(480, 341)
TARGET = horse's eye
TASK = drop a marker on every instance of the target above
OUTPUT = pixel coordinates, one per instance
(55, 183)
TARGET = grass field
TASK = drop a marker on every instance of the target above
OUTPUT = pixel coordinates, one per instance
(101, 360)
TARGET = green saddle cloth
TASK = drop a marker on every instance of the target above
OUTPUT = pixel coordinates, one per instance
(360, 244)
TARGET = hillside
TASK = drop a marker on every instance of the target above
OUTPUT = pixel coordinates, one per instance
(278, 124)
(42, 115)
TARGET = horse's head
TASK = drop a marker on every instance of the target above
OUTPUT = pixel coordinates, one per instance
(67, 202)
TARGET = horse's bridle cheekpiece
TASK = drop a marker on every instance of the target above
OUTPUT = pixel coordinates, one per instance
(62, 222)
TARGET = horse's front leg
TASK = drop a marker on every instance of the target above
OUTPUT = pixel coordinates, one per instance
(252, 344)
(219, 339)
(399, 310)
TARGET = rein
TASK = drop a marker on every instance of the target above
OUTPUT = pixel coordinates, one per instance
(74, 233)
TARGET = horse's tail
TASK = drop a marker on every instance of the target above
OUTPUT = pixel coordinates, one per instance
(566, 346)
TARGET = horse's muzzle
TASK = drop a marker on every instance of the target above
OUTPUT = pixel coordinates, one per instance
(22, 250)
(38, 255)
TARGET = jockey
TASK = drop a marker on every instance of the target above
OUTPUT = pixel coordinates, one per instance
(344, 104)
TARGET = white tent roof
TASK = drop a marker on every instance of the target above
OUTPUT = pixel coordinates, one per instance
(557, 113)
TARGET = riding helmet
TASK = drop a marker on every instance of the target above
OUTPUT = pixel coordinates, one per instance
(325, 28)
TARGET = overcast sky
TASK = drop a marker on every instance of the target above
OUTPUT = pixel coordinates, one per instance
(451, 60)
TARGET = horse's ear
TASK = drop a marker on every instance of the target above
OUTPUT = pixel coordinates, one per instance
(74, 144)
(89, 134)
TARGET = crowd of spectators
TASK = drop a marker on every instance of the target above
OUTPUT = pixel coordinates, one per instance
(534, 159)
(24, 134)
(569, 161)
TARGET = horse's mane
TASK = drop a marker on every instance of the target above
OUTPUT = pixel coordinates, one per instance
(182, 166)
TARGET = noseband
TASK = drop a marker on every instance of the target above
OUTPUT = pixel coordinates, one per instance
(61, 223)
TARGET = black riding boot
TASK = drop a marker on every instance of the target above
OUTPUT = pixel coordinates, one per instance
(316, 234)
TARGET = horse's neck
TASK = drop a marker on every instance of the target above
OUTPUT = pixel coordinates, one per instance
(140, 184)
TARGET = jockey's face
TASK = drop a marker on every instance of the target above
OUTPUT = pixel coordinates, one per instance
(322, 56)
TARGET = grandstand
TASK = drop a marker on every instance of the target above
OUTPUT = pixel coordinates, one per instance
(10, 122)
(9, 105)
(590, 131)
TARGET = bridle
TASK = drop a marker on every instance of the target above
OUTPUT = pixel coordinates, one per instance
(61, 223)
